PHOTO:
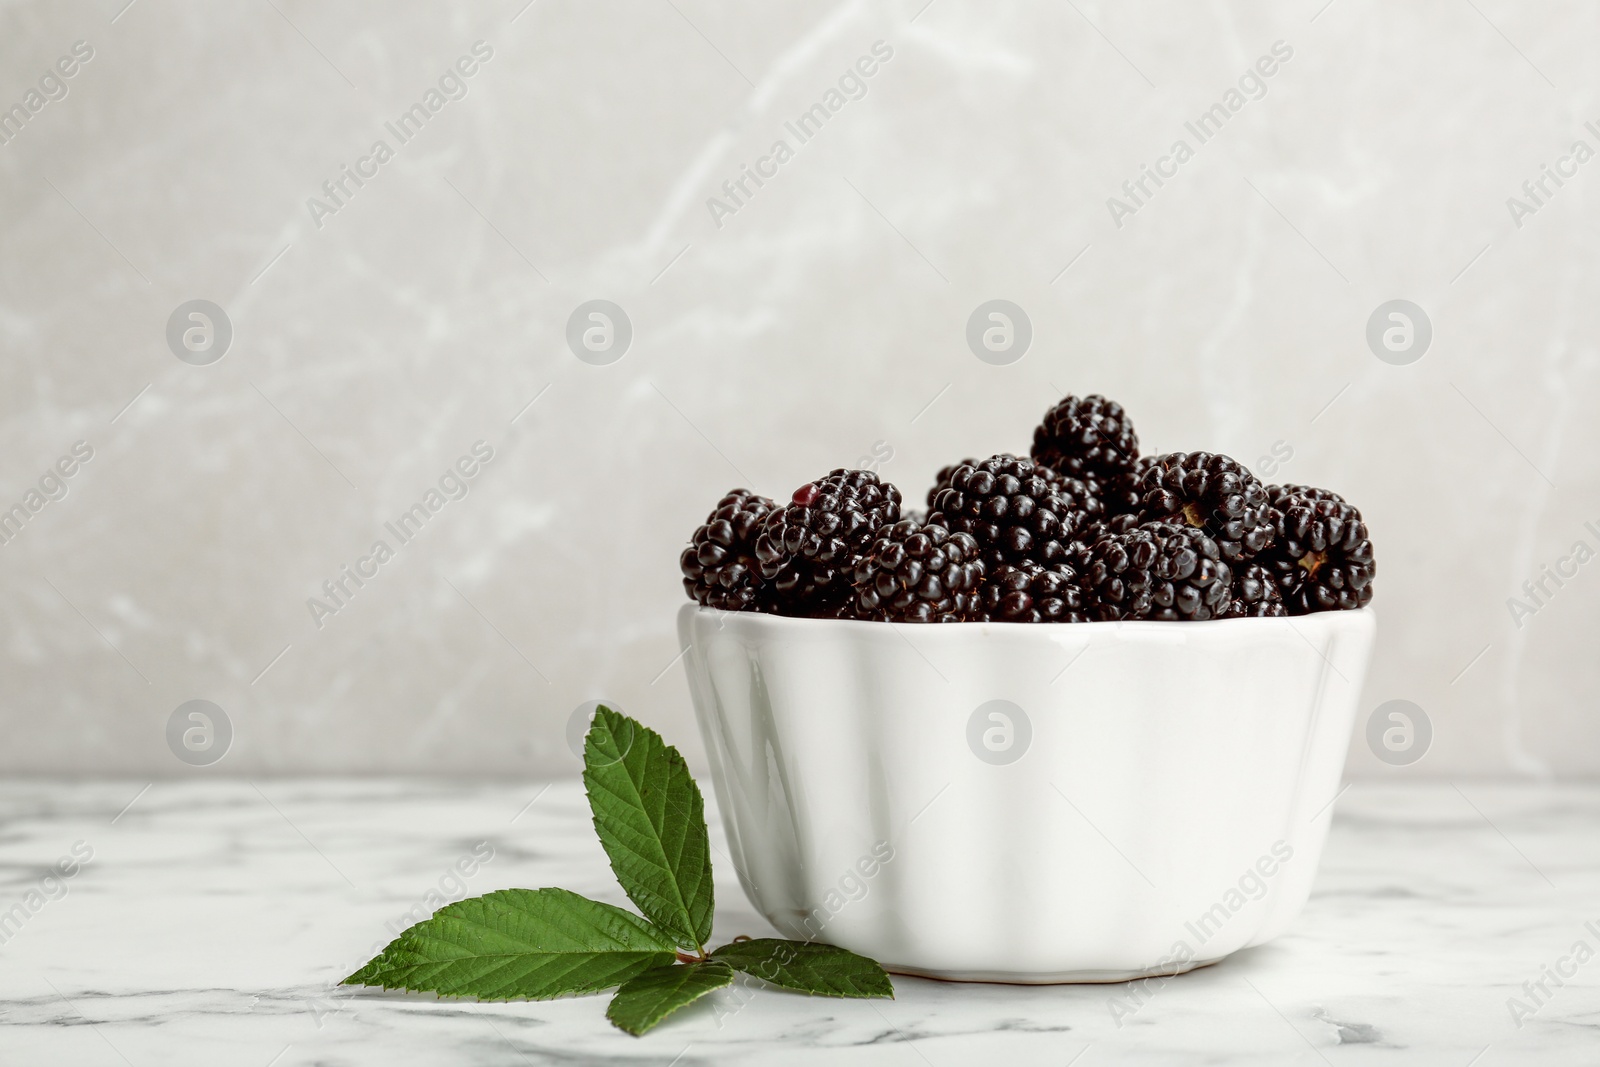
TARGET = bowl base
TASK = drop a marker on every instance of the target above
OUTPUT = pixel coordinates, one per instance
(1050, 977)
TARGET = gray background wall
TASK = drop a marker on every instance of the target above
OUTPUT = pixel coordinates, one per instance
(826, 315)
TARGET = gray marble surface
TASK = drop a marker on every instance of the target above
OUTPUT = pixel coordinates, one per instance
(212, 918)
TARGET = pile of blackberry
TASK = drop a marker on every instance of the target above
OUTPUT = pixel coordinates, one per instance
(1083, 529)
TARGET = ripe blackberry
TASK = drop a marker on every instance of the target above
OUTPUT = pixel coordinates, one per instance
(1032, 592)
(917, 572)
(719, 566)
(1089, 438)
(1016, 509)
(1322, 560)
(1159, 570)
(1213, 492)
(942, 479)
(807, 548)
(1121, 496)
(1255, 593)
(1119, 524)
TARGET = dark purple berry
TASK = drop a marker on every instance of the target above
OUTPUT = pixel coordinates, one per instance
(1121, 495)
(917, 572)
(1255, 593)
(942, 479)
(1089, 438)
(1156, 571)
(719, 566)
(807, 549)
(1017, 510)
(1322, 559)
(1031, 592)
(1211, 492)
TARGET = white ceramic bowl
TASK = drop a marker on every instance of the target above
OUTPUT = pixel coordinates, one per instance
(1086, 802)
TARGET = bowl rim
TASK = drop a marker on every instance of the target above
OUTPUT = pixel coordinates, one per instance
(1164, 626)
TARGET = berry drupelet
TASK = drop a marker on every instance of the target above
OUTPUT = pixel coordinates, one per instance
(1032, 592)
(942, 479)
(1122, 495)
(1089, 438)
(918, 572)
(1214, 493)
(807, 549)
(1017, 510)
(1158, 570)
(1255, 594)
(1322, 560)
(719, 566)
(1092, 531)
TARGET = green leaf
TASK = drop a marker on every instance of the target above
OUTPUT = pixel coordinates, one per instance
(519, 943)
(808, 967)
(652, 996)
(652, 823)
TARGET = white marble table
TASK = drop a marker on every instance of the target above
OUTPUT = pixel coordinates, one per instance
(214, 916)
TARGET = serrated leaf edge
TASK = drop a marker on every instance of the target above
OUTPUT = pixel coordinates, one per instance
(664, 1016)
(753, 973)
(682, 925)
(394, 954)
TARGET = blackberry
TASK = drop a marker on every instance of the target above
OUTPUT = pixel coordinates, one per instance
(917, 572)
(1016, 509)
(1089, 438)
(1118, 524)
(1322, 560)
(1121, 496)
(1255, 593)
(1213, 492)
(942, 479)
(719, 566)
(1159, 570)
(807, 548)
(1031, 592)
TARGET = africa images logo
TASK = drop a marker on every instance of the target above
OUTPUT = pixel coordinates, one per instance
(1252, 85)
(52, 87)
(341, 189)
(454, 484)
(852, 85)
